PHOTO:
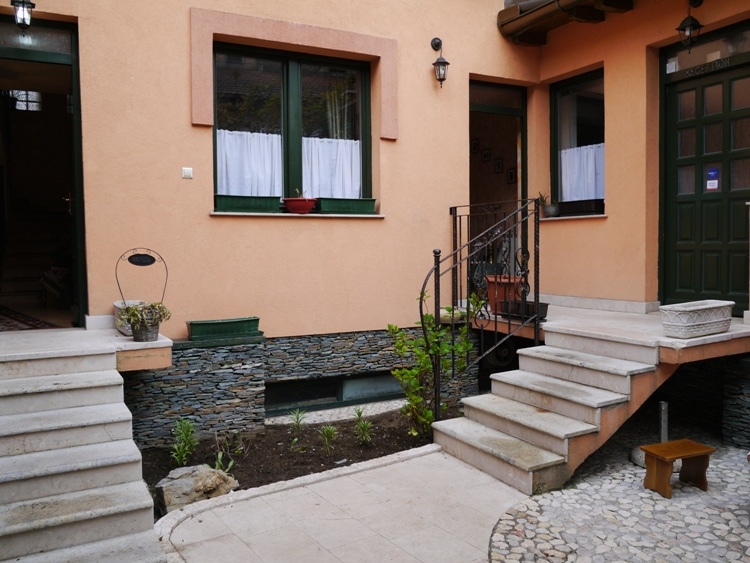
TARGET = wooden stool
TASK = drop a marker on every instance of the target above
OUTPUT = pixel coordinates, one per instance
(660, 463)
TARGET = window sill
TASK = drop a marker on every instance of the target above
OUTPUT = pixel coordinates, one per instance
(297, 215)
(573, 217)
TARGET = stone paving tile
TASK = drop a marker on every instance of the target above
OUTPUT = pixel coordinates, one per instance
(605, 514)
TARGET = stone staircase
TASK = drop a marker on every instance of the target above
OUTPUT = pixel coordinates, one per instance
(568, 397)
(71, 486)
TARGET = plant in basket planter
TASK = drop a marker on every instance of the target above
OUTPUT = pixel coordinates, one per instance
(144, 319)
(550, 209)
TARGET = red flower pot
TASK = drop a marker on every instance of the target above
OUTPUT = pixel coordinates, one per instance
(299, 204)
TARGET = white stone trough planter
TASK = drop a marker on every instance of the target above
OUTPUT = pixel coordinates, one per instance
(696, 318)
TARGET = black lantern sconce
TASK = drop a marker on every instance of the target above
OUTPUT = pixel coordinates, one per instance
(23, 9)
(690, 28)
(440, 65)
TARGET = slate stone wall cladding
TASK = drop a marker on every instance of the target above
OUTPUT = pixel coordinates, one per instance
(222, 388)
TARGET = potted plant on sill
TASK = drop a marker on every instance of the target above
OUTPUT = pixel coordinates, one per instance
(144, 319)
(550, 209)
(299, 204)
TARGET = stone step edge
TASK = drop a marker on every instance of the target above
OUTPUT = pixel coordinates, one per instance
(593, 334)
(512, 451)
(585, 360)
(143, 547)
(561, 389)
(546, 422)
(73, 508)
(75, 458)
(60, 419)
(60, 382)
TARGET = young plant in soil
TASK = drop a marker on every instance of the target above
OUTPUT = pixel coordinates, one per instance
(328, 435)
(363, 429)
(185, 441)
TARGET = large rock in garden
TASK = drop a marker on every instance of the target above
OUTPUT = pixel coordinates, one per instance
(186, 485)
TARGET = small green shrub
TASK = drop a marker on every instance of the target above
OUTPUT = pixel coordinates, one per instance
(219, 463)
(328, 435)
(185, 441)
(298, 420)
(364, 431)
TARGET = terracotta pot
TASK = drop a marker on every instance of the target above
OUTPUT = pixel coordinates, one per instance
(299, 204)
(502, 288)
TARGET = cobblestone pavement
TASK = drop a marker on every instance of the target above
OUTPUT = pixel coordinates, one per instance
(605, 514)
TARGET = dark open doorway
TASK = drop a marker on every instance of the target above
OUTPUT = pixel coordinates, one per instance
(40, 274)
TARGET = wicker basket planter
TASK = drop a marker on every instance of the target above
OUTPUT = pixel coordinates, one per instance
(696, 318)
(146, 333)
(119, 306)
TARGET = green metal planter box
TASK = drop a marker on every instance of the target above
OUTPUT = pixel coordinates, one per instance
(223, 328)
(341, 206)
(254, 204)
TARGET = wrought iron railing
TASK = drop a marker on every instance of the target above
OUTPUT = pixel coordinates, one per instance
(490, 280)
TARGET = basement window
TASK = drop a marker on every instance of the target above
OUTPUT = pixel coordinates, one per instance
(282, 397)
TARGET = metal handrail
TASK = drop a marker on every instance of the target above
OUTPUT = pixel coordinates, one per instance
(488, 240)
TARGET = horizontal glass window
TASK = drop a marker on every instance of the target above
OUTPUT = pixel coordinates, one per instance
(289, 126)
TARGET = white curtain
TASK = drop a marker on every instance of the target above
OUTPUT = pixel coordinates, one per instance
(250, 164)
(582, 173)
(331, 168)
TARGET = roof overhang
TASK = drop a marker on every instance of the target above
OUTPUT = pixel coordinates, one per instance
(528, 22)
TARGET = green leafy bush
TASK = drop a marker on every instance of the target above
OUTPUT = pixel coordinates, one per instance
(450, 342)
(185, 441)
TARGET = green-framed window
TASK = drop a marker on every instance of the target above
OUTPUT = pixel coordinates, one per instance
(289, 125)
(577, 143)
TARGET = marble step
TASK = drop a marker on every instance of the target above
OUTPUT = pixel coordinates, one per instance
(567, 398)
(612, 374)
(543, 428)
(49, 392)
(53, 472)
(515, 462)
(19, 363)
(63, 428)
(72, 519)
(141, 547)
(602, 344)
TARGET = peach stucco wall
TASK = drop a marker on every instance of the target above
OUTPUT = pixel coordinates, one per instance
(614, 258)
(301, 275)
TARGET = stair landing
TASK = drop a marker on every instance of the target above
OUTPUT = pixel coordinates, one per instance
(20, 347)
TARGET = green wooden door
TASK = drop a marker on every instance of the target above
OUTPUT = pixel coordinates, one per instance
(707, 185)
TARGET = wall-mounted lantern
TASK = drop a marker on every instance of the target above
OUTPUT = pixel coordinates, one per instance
(23, 8)
(440, 65)
(690, 28)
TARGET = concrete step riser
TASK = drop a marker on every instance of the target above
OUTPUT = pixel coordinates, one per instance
(608, 348)
(54, 366)
(76, 480)
(78, 532)
(499, 469)
(53, 400)
(18, 444)
(585, 376)
(547, 402)
(517, 430)
(142, 547)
